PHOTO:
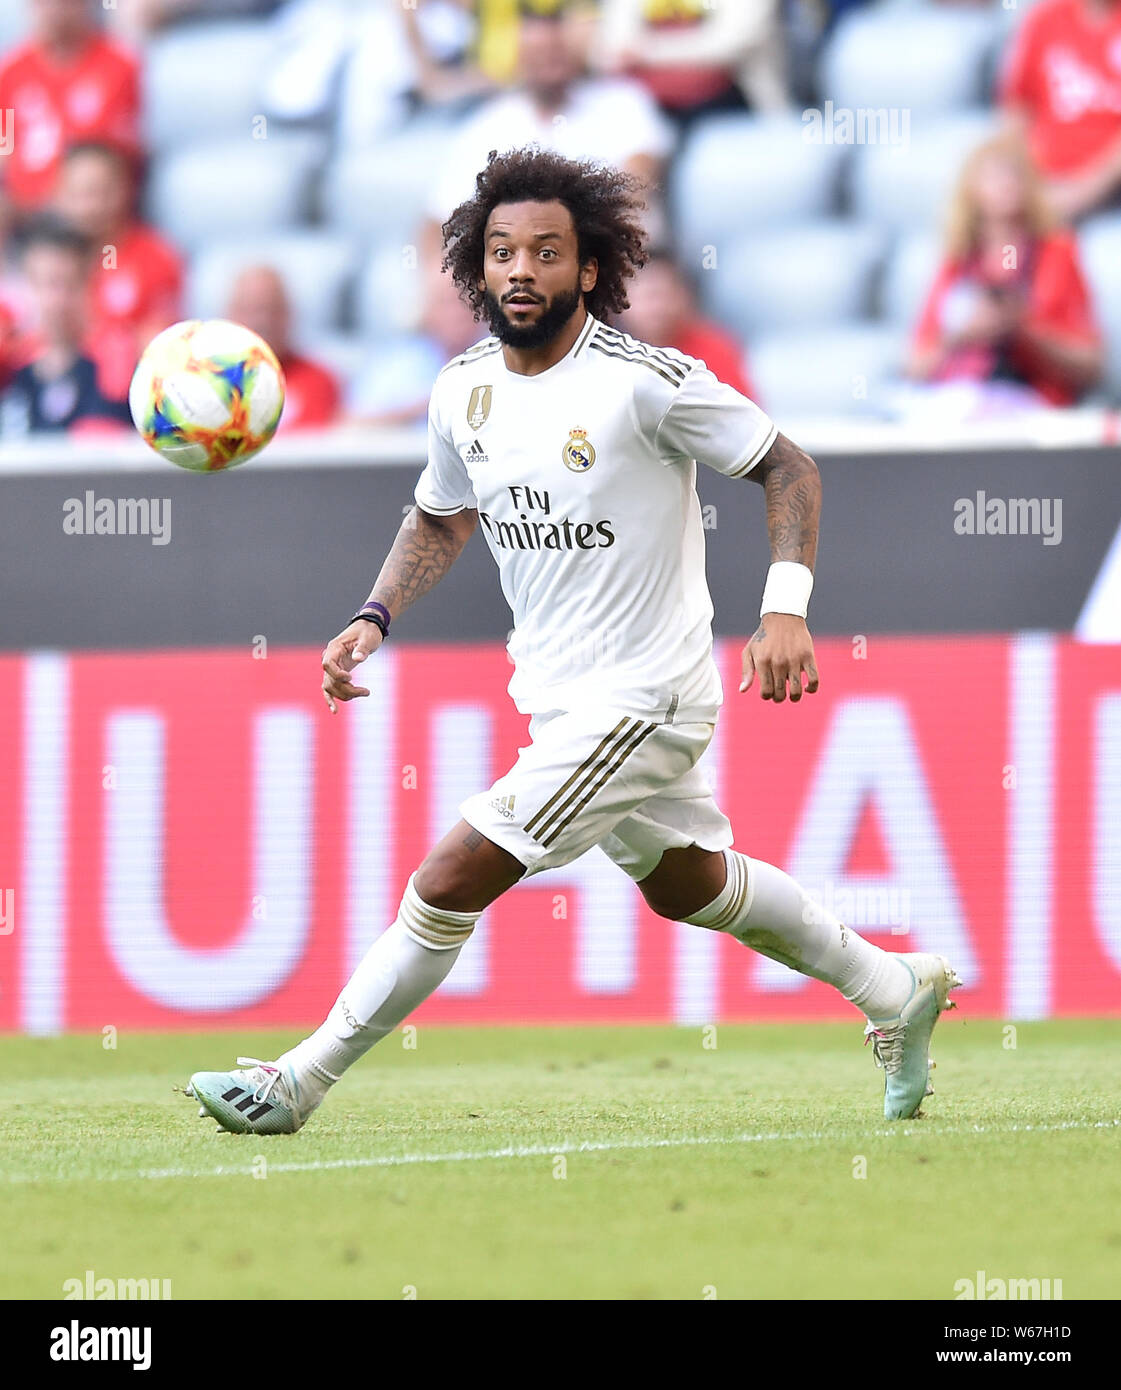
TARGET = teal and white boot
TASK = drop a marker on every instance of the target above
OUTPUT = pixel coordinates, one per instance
(262, 1100)
(902, 1043)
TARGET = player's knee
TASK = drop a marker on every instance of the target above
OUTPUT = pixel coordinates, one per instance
(684, 882)
(673, 905)
(451, 881)
(442, 884)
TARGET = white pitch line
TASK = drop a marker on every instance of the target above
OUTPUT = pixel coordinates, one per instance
(548, 1151)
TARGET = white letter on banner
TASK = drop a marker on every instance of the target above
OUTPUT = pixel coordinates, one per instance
(460, 739)
(372, 828)
(1107, 825)
(46, 846)
(265, 951)
(1029, 873)
(604, 929)
(870, 755)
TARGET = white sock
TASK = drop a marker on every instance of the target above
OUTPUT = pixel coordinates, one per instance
(399, 971)
(766, 910)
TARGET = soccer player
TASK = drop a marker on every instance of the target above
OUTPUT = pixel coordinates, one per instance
(574, 448)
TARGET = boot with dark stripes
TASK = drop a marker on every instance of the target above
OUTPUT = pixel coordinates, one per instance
(261, 1100)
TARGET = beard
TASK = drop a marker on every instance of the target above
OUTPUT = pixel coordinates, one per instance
(532, 335)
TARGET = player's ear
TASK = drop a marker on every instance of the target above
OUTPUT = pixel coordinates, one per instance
(589, 274)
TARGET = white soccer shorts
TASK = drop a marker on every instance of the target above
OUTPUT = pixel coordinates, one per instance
(606, 778)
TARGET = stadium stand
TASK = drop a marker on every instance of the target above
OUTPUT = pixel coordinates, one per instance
(812, 235)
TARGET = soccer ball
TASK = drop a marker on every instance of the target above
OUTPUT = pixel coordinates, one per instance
(207, 395)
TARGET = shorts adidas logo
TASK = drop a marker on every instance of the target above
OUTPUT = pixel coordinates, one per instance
(477, 454)
(504, 805)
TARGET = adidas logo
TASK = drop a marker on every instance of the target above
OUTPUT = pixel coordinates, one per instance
(477, 454)
(504, 805)
(263, 1108)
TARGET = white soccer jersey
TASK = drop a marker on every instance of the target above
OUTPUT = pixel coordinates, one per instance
(584, 477)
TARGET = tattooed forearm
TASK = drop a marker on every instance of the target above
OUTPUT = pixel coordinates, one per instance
(793, 488)
(425, 549)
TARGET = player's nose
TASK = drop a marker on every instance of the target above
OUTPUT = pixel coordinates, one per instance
(520, 269)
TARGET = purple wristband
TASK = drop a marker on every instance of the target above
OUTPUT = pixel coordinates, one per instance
(375, 613)
(380, 609)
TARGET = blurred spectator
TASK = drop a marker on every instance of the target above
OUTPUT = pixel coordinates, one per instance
(137, 277)
(13, 297)
(375, 62)
(259, 300)
(394, 386)
(663, 311)
(1062, 87)
(1009, 310)
(57, 387)
(696, 57)
(441, 39)
(496, 43)
(555, 106)
(67, 82)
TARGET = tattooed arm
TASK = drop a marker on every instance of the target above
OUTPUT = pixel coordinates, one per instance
(781, 649)
(425, 549)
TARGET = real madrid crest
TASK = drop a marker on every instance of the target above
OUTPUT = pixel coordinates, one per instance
(578, 454)
(478, 406)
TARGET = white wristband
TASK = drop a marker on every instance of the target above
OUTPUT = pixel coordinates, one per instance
(787, 589)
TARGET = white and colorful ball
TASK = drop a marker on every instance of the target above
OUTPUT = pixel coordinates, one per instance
(207, 394)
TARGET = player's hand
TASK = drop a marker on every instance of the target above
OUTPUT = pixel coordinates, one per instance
(342, 654)
(781, 650)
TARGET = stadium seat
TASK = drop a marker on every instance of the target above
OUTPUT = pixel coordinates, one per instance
(812, 273)
(315, 266)
(203, 82)
(378, 194)
(825, 372)
(907, 278)
(376, 79)
(736, 173)
(389, 293)
(909, 186)
(917, 58)
(341, 353)
(1100, 245)
(268, 183)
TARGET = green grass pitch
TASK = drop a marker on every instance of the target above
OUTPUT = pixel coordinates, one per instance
(578, 1163)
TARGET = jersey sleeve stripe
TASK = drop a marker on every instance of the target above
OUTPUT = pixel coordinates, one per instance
(626, 343)
(585, 333)
(639, 360)
(487, 348)
(433, 510)
(742, 469)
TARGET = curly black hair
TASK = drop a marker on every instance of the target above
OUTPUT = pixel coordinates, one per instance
(605, 204)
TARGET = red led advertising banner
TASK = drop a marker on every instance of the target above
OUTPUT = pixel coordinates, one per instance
(190, 839)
